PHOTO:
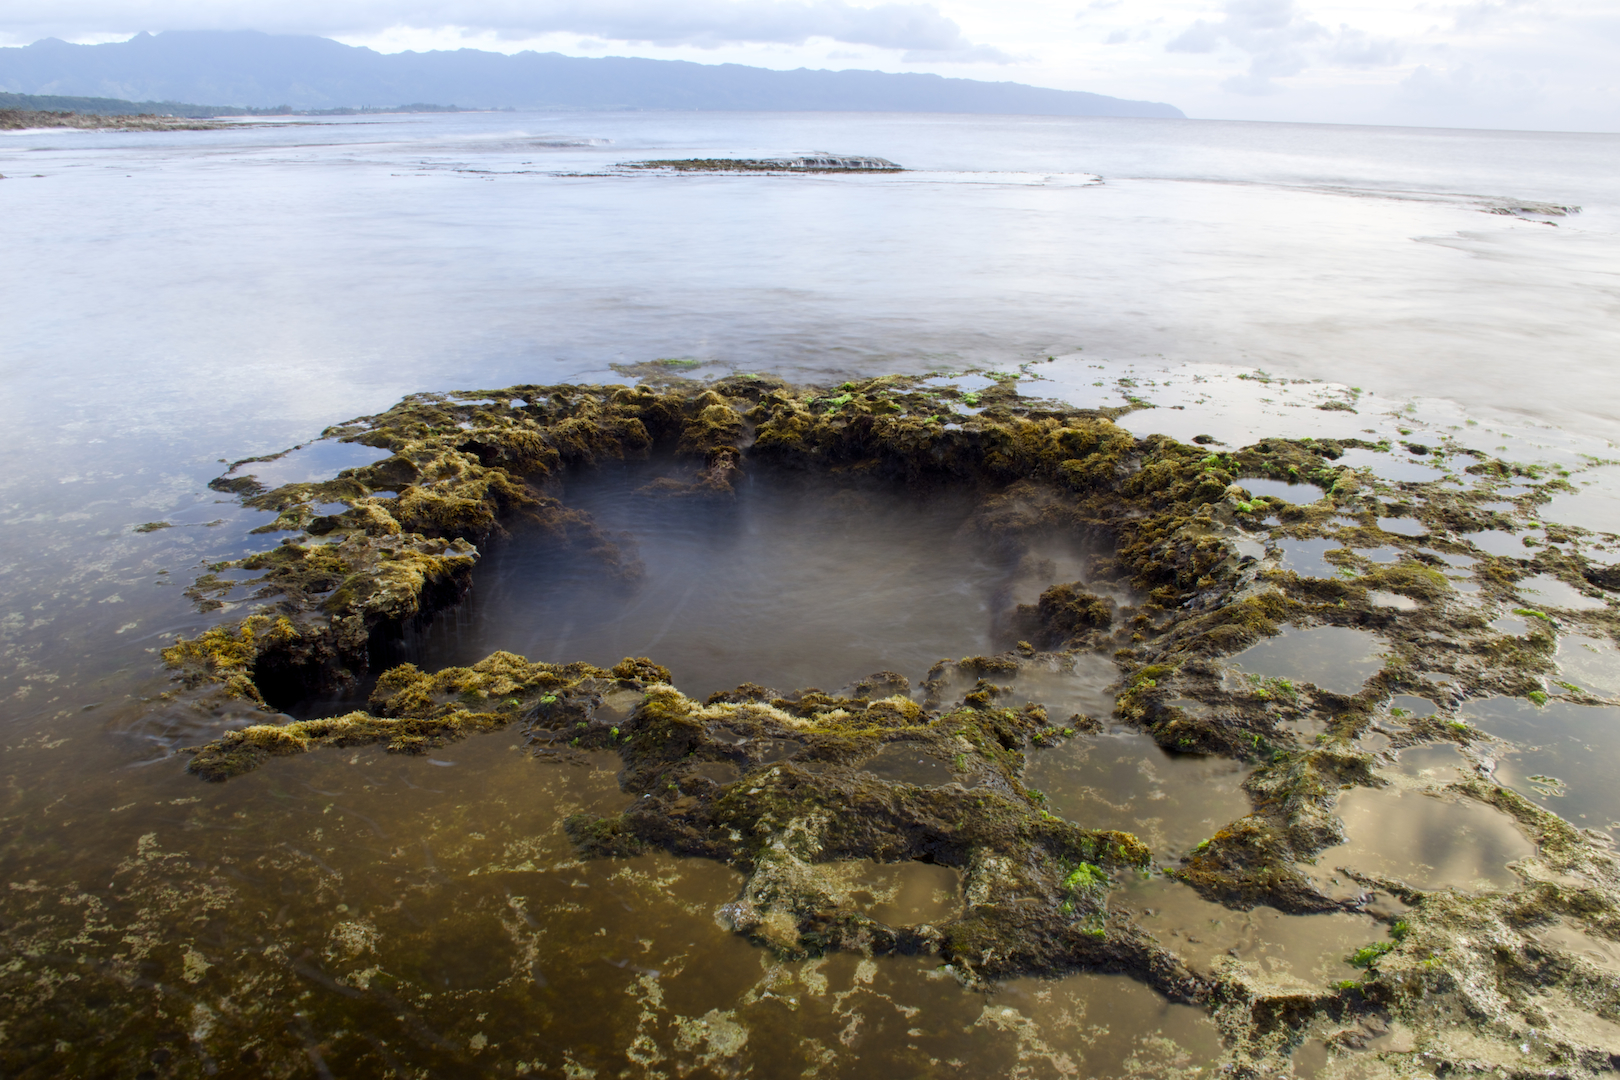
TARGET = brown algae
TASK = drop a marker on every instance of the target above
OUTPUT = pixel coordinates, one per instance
(841, 857)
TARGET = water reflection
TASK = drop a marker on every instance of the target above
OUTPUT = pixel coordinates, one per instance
(1280, 489)
(1082, 687)
(1337, 658)
(1567, 936)
(1438, 763)
(1544, 590)
(1591, 663)
(1391, 466)
(309, 463)
(1499, 542)
(1402, 526)
(1312, 950)
(1126, 781)
(1560, 757)
(1427, 841)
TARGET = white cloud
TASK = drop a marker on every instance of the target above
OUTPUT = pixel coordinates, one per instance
(1281, 40)
(1430, 91)
(1478, 16)
(1353, 48)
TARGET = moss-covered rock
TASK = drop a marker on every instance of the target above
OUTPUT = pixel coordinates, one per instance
(810, 795)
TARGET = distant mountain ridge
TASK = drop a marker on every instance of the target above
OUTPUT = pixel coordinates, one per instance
(247, 69)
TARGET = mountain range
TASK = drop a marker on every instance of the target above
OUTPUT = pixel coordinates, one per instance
(247, 69)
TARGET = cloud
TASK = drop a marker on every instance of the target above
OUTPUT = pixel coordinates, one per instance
(972, 54)
(1477, 16)
(1440, 91)
(1281, 40)
(1352, 48)
(1200, 37)
(918, 29)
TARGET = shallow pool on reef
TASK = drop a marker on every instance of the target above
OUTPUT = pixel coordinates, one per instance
(1309, 950)
(1592, 663)
(1544, 590)
(908, 894)
(1260, 487)
(1561, 756)
(1402, 526)
(1307, 557)
(1435, 763)
(1104, 1026)
(320, 459)
(1392, 465)
(1125, 781)
(1429, 841)
(797, 582)
(1336, 658)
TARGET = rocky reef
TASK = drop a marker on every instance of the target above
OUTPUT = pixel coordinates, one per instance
(813, 163)
(20, 119)
(791, 787)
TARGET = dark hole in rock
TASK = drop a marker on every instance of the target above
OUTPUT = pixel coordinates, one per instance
(797, 581)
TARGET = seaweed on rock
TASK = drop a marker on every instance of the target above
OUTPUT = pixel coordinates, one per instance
(808, 799)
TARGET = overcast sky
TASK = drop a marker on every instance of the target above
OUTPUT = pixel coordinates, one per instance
(1485, 63)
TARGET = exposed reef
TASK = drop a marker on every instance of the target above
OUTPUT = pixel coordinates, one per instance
(788, 788)
(820, 163)
(20, 119)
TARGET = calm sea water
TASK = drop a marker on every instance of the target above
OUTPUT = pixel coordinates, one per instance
(172, 300)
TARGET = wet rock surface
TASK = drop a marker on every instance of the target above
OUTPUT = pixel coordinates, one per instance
(1500, 969)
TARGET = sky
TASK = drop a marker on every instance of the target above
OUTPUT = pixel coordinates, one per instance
(1520, 64)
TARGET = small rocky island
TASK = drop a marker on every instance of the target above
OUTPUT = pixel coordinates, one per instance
(817, 162)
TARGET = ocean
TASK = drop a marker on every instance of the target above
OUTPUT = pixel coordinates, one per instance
(173, 302)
